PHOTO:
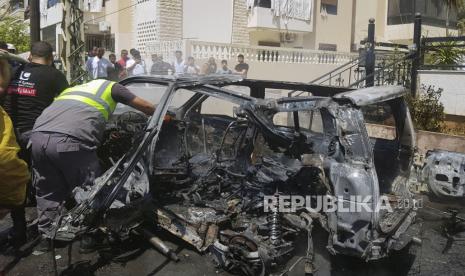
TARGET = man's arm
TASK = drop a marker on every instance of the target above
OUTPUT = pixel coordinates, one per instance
(142, 105)
(61, 83)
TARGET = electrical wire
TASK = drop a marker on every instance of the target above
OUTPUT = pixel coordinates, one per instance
(117, 11)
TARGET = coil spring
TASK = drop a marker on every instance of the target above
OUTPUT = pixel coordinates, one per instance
(274, 223)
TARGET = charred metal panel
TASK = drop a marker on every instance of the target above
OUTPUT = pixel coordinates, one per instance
(371, 95)
(444, 172)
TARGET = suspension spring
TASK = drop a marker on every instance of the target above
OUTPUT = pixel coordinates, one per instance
(274, 223)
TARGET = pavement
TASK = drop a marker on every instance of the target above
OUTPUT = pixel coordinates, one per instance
(436, 256)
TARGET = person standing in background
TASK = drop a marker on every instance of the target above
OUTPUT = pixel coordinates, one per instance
(159, 67)
(191, 68)
(98, 67)
(122, 62)
(178, 64)
(139, 66)
(241, 68)
(115, 71)
(212, 67)
(224, 68)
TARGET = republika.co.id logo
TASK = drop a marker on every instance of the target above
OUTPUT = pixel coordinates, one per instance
(340, 204)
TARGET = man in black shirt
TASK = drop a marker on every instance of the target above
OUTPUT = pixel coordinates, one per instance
(32, 88)
(241, 68)
(114, 72)
(159, 67)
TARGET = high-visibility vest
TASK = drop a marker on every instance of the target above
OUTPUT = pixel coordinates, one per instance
(96, 93)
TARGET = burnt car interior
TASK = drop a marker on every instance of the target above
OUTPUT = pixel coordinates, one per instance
(212, 152)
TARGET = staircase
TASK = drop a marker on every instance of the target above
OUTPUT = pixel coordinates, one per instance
(390, 69)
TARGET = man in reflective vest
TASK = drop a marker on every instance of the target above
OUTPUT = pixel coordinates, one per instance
(65, 139)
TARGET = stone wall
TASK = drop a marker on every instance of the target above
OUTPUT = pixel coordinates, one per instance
(425, 140)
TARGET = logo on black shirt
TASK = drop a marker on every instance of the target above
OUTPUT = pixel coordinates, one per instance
(25, 76)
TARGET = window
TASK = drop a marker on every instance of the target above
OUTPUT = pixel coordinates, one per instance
(218, 106)
(327, 47)
(262, 3)
(153, 93)
(380, 121)
(308, 120)
(181, 97)
(433, 12)
(207, 126)
(328, 7)
(269, 44)
(147, 91)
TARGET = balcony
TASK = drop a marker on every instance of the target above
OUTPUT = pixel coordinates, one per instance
(434, 13)
(290, 16)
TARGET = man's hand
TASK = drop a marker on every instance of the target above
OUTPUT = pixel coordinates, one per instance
(143, 106)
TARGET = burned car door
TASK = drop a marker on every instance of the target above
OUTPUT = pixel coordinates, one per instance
(131, 169)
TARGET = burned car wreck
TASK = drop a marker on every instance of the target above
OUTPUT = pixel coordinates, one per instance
(204, 177)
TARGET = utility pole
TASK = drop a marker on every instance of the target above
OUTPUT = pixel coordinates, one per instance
(417, 54)
(370, 54)
(72, 54)
(34, 11)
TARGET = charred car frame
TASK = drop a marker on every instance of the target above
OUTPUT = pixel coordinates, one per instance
(203, 176)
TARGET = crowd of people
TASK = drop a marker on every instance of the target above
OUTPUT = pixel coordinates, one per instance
(189, 67)
(98, 67)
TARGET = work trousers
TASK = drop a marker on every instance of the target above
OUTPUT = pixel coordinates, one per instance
(60, 163)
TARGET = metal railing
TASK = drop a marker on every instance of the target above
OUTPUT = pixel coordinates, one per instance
(354, 72)
(343, 75)
(393, 72)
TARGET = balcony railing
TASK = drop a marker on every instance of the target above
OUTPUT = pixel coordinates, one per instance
(204, 50)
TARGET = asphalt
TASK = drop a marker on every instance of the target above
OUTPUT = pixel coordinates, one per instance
(437, 255)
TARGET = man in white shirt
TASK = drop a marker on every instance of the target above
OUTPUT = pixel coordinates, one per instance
(139, 67)
(178, 64)
(98, 65)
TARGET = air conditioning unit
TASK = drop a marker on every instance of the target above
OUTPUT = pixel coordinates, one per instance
(104, 26)
(288, 37)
